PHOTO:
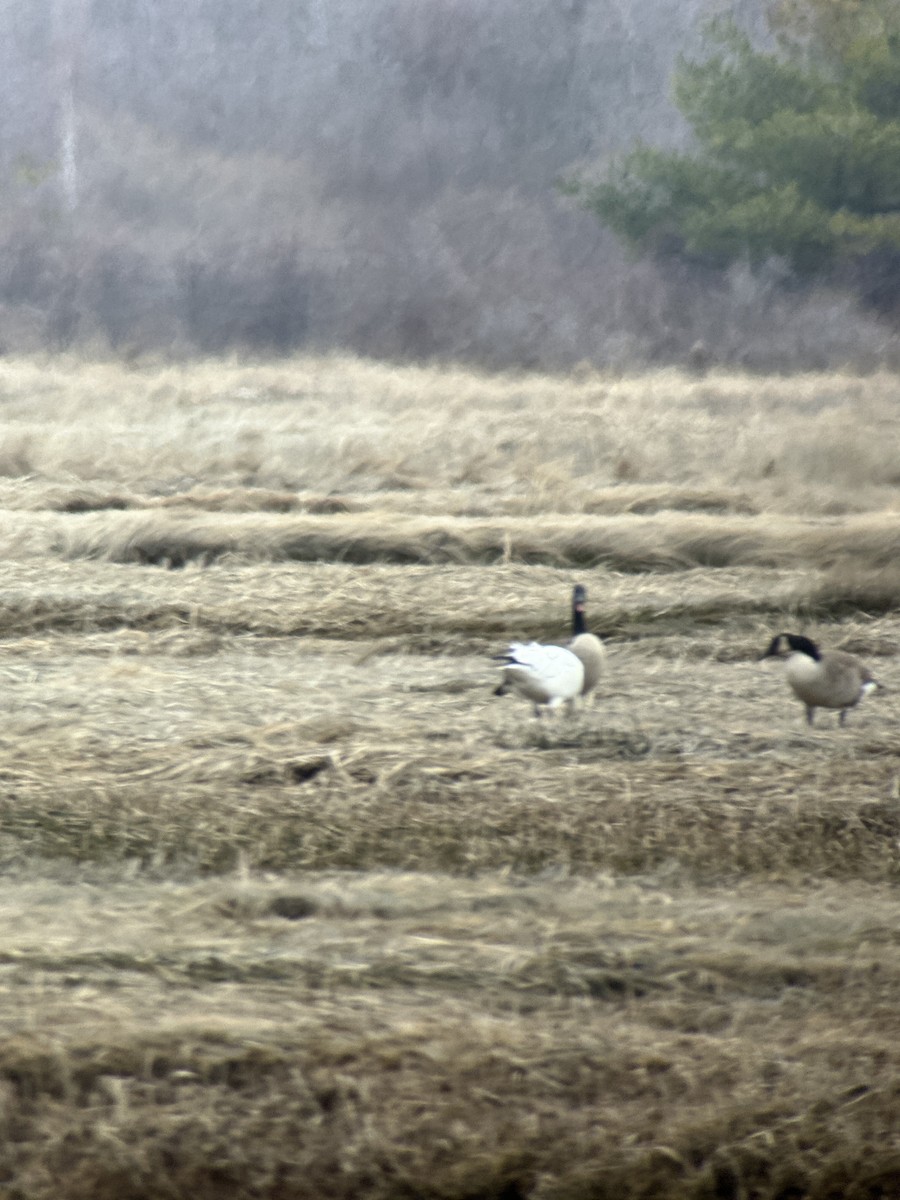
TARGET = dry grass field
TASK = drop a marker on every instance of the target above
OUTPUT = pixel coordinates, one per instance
(293, 906)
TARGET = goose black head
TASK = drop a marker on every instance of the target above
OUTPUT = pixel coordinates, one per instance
(794, 643)
(579, 596)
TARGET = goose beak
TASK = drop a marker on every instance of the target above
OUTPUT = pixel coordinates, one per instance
(773, 650)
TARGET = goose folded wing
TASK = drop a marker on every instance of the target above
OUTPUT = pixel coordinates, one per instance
(554, 667)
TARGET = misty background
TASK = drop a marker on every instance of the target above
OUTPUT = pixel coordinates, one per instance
(379, 176)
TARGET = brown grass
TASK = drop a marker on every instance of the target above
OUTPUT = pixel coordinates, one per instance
(335, 1051)
(862, 583)
(547, 444)
(294, 906)
(625, 543)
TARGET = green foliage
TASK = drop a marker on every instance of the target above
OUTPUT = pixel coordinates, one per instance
(796, 153)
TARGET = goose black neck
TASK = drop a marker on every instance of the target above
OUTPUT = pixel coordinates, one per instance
(578, 625)
(803, 645)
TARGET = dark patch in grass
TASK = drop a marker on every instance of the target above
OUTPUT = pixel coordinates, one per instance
(292, 907)
(82, 503)
(294, 771)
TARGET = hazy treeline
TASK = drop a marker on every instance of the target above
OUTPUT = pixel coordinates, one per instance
(378, 175)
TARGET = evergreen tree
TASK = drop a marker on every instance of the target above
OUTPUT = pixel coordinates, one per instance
(796, 152)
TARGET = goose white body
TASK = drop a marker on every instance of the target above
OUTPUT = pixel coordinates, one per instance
(546, 675)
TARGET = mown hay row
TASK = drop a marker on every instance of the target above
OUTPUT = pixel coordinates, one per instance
(665, 542)
(431, 609)
(37, 495)
(447, 1105)
(365, 809)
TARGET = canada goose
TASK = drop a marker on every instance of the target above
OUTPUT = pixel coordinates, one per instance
(586, 646)
(546, 675)
(833, 679)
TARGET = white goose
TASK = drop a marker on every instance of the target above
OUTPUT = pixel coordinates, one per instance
(550, 676)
